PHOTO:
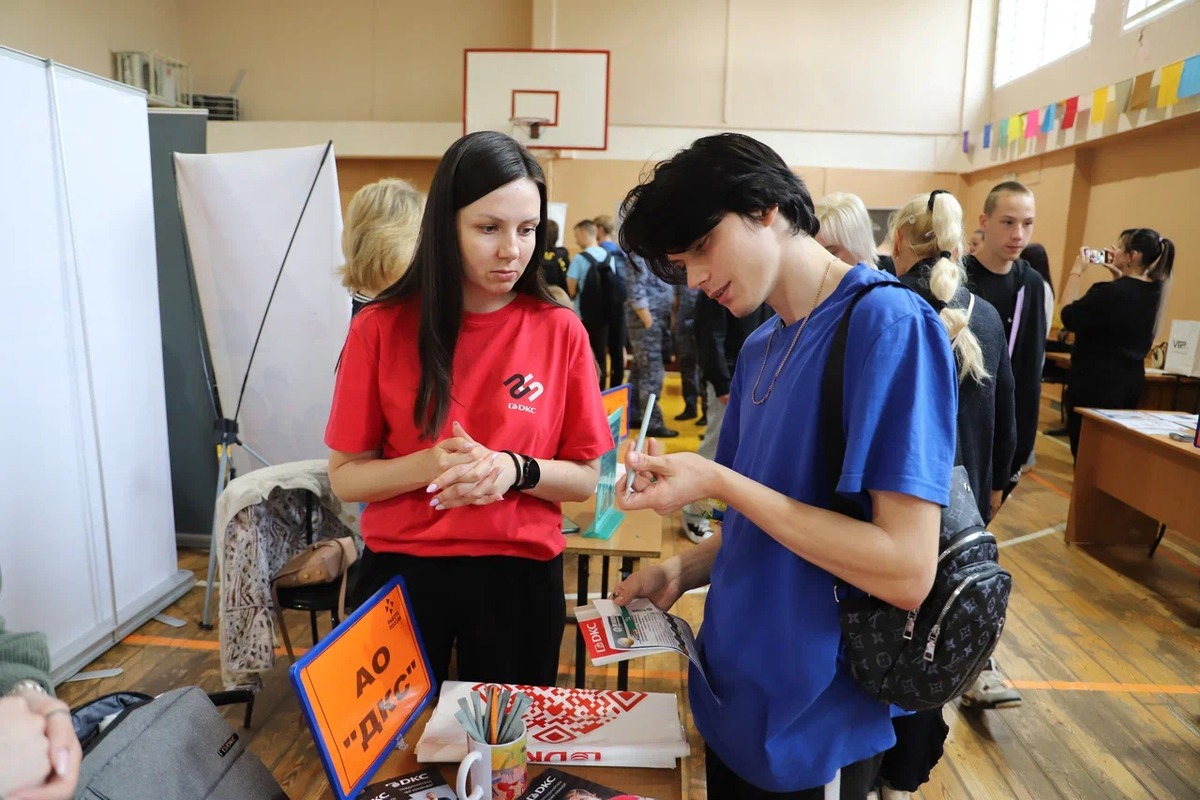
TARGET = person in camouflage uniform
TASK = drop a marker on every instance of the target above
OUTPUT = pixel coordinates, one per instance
(685, 350)
(647, 316)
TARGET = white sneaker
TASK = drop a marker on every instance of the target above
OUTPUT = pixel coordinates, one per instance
(892, 794)
(697, 530)
(990, 691)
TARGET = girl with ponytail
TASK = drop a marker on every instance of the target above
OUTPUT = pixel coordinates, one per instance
(927, 237)
(1115, 323)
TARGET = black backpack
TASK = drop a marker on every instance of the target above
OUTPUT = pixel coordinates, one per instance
(602, 301)
(924, 658)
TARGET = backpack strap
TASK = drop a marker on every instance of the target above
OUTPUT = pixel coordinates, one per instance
(832, 399)
(591, 258)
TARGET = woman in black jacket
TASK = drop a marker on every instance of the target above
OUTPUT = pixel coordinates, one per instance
(1114, 324)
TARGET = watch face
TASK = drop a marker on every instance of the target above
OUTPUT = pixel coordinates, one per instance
(533, 473)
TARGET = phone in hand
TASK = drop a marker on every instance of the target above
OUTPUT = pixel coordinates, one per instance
(1098, 256)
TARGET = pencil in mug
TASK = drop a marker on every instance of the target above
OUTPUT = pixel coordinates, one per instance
(641, 440)
(494, 703)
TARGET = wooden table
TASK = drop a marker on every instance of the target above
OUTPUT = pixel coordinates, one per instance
(638, 536)
(1128, 483)
(662, 784)
(1163, 391)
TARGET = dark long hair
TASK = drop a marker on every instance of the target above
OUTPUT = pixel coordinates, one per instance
(474, 166)
(1035, 254)
(1158, 254)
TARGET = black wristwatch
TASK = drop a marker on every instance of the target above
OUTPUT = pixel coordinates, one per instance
(531, 474)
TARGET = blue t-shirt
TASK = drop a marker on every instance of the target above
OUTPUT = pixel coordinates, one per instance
(790, 714)
(579, 267)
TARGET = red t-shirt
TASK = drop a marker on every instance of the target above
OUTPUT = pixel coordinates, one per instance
(524, 380)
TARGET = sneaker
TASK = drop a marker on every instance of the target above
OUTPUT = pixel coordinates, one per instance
(990, 691)
(703, 420)
(688, 413)
(662, 433)
(697, 531)
(893, 794)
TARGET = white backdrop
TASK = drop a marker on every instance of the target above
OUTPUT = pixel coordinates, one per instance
(239, 210)
(86, 491)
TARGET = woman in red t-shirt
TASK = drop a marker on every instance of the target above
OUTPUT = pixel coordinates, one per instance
(466, 410)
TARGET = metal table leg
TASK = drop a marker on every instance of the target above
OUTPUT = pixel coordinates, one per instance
(581, 598)
(604, 579)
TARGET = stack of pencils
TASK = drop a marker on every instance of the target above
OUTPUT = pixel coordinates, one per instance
(495, 720)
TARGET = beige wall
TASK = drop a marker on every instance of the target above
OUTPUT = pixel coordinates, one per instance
(1111, 57)
(850, 65)
(83, 34)
(350, 60)
(668, 56)
(844, 66)
(355, 173)
(1087, 195)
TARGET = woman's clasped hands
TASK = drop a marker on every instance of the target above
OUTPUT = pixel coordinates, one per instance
(467, 473)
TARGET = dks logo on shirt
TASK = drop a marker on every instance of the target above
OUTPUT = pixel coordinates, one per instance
(524, 387)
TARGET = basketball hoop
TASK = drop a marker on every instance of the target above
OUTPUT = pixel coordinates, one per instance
(531, 125)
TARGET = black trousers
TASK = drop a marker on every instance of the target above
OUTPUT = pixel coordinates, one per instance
(723, 784)
(608, 342)
(1118, 388)
(920, 741)
(504, 614)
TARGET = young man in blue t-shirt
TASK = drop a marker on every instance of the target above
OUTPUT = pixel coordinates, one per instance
(784, 714)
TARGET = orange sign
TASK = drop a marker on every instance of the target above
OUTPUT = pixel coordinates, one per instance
(363, 686)
(614, 398)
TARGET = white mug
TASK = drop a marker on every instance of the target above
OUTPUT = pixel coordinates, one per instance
(503, 767)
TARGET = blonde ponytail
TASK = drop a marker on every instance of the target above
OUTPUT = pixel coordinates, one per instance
(932, 225)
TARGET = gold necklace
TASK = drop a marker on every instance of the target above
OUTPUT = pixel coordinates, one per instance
(788, 354)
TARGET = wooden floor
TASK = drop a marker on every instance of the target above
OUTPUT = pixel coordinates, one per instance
(1103, 644)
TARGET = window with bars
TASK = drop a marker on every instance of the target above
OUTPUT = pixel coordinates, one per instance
(1139, 12)
(1032, 33)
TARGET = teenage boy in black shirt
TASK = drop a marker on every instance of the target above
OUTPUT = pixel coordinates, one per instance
(997, 274)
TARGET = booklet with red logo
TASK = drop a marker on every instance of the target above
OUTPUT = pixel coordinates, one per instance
(613, 633)
(556, 785)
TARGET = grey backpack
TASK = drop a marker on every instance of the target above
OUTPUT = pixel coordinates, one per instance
(174, 747)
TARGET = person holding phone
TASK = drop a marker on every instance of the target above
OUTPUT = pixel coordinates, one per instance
(731, 218)
(466, 410)
(1115, 322)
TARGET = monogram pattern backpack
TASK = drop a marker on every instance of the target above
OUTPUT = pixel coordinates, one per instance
(924, 657)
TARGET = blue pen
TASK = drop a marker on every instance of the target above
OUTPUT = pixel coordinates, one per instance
(641, 441)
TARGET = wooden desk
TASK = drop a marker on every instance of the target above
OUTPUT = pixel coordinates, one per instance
(1127, 483)
(663, 784)
(1163, 391)
(638, 536)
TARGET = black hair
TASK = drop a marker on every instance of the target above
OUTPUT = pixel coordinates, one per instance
(474, 166)
(1158, 254)
(1035, 254)
(687, 195)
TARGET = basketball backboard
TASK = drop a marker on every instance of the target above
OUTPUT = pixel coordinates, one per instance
(560, 94)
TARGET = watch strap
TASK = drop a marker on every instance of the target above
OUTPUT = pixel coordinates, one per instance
(520, 472)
